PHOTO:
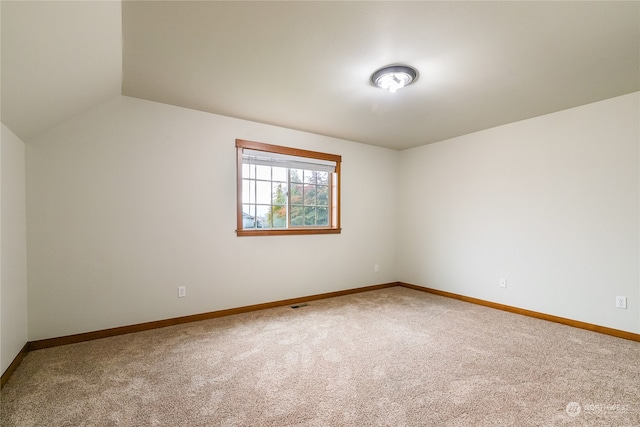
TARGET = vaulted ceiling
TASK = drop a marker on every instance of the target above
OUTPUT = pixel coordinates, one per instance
(306, 65)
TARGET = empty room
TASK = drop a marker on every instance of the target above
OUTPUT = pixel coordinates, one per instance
(301, 213)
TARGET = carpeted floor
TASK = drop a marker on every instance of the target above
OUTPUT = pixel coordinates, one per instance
(393, 357)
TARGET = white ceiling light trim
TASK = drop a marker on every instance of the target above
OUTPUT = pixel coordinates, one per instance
(394, 77)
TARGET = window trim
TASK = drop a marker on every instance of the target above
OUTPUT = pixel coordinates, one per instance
(334, 227)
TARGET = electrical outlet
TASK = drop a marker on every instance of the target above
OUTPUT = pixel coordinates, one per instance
(503, 283)
(376, 268)
(621, 302)
(182, 291)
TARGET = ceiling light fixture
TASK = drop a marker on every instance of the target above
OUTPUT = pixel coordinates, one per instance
(394, 77)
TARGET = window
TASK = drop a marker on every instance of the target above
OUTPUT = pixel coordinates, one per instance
(284, 190)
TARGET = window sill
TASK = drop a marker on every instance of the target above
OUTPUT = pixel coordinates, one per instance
(288, 232)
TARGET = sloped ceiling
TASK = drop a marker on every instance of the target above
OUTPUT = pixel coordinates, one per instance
(306, 65)
(58, 59)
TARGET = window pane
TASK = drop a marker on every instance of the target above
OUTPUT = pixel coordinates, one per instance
(296, 175)
(249, 210)
(323, 178)
(323, 217)
(323, 195)
(296, 194)
(248, 191)
(297, 215)
(248, 216)
(279, 193)
(248, 170)
(310, 176)
(278, 212)
(263, 192)
(262, 215)
(279, 174)
(309, 215)
(245, 191)
(309, 194)
(278, 216)
(263, 172)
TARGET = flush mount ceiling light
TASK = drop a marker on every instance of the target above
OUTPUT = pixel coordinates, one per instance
(394, 77)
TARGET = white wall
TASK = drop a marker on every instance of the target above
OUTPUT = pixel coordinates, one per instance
(13, 289)
(551, 204)
(132, 199)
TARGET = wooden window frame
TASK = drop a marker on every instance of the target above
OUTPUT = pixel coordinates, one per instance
(334, 216)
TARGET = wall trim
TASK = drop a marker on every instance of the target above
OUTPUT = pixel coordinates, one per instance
(111, 332)
(14, 365)
(88, 336)
(105, 333)
(551, 318)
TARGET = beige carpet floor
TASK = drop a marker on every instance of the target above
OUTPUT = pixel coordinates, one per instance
(393, 357)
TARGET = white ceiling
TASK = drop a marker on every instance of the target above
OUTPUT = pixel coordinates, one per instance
(58, 59)
(306, 65)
